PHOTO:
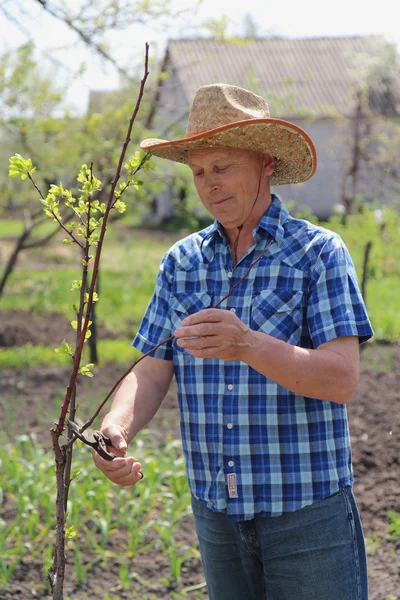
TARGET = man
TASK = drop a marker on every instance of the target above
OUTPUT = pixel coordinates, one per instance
(263, 379)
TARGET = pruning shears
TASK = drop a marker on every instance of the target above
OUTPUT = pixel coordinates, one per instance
(96, 440)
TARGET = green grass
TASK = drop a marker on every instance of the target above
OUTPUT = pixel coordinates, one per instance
(12, 228)
(127, 279)
(108, 524)
(383, 307)
(123, 295)
(129, 267)
(29, 356)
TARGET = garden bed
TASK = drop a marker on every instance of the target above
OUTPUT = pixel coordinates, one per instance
(29, 397)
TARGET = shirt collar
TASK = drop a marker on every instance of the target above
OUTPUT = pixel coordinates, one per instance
(271, 222)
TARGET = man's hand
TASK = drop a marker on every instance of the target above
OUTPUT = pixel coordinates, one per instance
(214, 333)
(123, 470)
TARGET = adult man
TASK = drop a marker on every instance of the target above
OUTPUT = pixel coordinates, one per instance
(264, 378)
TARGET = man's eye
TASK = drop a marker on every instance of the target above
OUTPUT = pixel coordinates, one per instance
(221, 169)
(199, 174)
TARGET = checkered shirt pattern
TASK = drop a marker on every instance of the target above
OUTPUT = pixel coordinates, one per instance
(285, 451)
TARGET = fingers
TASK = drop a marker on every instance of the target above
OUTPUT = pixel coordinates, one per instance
(123, 471)
(206, 322)
(203, 329)
(117, 437)
(200, 343)
(210, 315)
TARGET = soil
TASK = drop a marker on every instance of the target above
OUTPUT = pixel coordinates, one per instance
(374, 419)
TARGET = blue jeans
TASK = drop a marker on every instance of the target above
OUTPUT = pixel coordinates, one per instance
(316, 553)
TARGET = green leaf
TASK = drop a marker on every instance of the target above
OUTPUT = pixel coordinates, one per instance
(65, 348)
(93, 239)
(83, 173)
(87, 370)
(120, 206)
(76, 284)
(74, 325)
(20, 167)
(70, 532)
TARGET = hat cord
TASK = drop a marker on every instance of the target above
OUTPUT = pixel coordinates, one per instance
(240, 227)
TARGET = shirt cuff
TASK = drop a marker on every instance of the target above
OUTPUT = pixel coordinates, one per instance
(143, 345)
(363, 332)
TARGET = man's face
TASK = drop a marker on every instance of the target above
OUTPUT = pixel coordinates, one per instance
(227, 181)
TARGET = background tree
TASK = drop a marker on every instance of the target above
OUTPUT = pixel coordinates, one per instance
(375, 129)
(92, 21)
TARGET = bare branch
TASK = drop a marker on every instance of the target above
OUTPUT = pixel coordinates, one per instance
(85, 37)
(78, 353)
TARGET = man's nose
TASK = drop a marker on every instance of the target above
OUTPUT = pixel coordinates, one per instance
(211, 182)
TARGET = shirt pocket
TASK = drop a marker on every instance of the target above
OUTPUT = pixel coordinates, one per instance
(278, 313)
(182, 305)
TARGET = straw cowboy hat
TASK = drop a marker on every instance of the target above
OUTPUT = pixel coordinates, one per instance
(226, 115)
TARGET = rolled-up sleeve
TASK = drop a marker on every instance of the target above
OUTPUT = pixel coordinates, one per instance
(335, 305)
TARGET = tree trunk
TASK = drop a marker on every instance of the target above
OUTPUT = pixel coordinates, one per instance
(57, 571)
(365, 270)
(92, 341)
(12, 261)
(350, 180)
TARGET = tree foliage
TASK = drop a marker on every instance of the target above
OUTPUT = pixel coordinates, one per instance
(92, 21)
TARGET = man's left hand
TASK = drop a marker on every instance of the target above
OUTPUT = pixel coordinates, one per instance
(214, 333)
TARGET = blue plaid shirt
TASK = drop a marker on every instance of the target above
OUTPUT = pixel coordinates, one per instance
(251, 446)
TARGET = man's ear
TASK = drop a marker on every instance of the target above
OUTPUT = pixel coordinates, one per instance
(268, 164)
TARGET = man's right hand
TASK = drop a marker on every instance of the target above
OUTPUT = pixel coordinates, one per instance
(123, 470)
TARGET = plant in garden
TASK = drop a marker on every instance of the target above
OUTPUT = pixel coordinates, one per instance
(97, 514)
(87, 231)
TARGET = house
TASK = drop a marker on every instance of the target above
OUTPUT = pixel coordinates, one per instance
(311, 82)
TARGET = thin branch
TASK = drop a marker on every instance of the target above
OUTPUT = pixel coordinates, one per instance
(71, 235)
(77, 358)
(86, 38)
(43, 240)
(36, 187)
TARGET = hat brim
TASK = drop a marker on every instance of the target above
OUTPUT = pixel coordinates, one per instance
(292, 148)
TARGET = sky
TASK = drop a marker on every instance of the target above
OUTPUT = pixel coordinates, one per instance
(58, 49)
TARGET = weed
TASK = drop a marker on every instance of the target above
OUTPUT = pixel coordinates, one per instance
(394, 524)
(372, 545)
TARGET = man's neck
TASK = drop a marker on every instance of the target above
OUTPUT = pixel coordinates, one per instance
(240, 239)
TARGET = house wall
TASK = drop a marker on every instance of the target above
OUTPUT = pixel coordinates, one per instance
(333, 142)
(322, 191)
(169, 121)
(172, 106)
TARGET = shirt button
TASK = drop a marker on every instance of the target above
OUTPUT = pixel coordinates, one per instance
(230, 387)
(229, 425)
(230, 274)
(233, 310)
(231, 463)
